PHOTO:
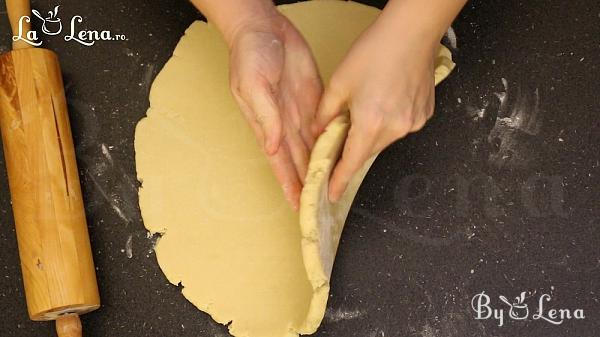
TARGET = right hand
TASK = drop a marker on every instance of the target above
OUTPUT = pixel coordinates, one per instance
(275, 81)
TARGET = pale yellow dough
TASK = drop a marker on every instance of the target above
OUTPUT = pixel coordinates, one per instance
(241, 254)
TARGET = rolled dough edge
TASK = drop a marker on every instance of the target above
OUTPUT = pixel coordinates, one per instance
(323, 157)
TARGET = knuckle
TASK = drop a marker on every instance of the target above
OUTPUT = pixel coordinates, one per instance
(380, 105)
(387, 107)
(419, 125)
(408, 117)
(400, 131)
(373, 125)
(429, 110)
(402, 125)
(252, 86)
(244, 88)
(372, 116)
(265, 120)
(260, 118)
(234, 86)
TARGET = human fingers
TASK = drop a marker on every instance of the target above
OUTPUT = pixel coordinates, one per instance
(357, 149)
(249, 116)
(282, 164)
(265, 111)
(298, 150)
(424, 111)
(330, 106)
(308, 103)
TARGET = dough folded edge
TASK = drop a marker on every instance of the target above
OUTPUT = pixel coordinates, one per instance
(323, 157)
(322, 222)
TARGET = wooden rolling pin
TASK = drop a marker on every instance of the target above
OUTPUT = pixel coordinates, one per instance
(54, 247)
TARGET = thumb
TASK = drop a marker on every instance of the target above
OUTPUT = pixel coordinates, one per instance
(330, 106)
(266, 112)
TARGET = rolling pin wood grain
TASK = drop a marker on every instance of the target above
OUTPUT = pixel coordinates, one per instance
(54, 248)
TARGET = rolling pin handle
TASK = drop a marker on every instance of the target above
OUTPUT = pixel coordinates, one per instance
(69, 326)
(16, 9)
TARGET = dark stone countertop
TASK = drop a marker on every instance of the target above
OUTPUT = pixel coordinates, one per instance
(499, 193)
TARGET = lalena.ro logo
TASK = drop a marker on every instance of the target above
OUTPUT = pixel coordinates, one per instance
(52, 25)
(518, 310)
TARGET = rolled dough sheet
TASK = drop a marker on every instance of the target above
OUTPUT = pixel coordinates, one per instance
(228, 235)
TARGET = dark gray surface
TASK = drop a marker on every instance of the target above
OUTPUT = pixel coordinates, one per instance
(491, 197)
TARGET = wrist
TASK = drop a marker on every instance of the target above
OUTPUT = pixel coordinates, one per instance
(426, 21)
(402, 37)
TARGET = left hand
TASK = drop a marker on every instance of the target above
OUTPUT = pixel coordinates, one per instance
(387, 82)
(275, 81)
